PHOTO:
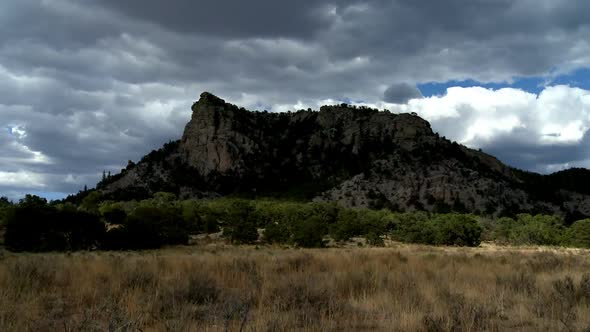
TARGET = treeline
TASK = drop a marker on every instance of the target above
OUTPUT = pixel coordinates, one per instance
(35, 225)
(551, 187)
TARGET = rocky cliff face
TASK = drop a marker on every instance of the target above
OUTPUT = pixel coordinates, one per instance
(355, 156)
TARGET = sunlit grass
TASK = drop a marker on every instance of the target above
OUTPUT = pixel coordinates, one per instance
(217, 288)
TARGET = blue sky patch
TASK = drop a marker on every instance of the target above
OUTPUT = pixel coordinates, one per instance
(579, 78)
(50, 195)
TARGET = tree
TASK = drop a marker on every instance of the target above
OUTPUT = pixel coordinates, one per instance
(33, 225)
(33, 201)
(4, 201)
(5, 204)
(91, 201)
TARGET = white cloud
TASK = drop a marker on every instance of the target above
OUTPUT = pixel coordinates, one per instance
(22, 179)
(476, 116)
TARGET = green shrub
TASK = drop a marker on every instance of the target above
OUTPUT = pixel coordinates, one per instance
(241, 232)
(504, 230)
(359, 222)
(529, 230)
(456, 230)
(309, 233)
(347, 226)
(412, 227)
(578, 234)
(539, 230)
(239, 222)
(439, 229)
(277, 233)
(35, 225)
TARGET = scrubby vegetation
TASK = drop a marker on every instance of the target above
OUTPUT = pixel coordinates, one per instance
(35, 225)
(270, 286)
(229, 288)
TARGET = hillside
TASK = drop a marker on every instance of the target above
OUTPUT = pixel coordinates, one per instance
(359, 157)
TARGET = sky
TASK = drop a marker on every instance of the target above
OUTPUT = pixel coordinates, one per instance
(86, 85)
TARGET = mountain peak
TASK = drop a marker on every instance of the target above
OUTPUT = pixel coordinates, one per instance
(210, 99)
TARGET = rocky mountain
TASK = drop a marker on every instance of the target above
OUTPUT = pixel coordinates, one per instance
(356, 156)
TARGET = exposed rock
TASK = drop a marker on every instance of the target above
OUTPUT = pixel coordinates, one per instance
(356, 156)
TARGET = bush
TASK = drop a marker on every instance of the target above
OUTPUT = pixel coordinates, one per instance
(309, 233)
(203, 216)
(240, 225)
(413, 228)
(456, 230)
(539, 230)
(148, 226)
(33, 225)
(347, 226)
(504, 230)
(439, 229)
(358, 222)
(578, 234)
(529, 230)
(241, 232)
(277, 233)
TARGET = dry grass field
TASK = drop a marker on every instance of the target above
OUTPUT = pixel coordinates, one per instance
(225, 288)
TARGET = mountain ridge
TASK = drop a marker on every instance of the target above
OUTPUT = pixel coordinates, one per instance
(356, 156)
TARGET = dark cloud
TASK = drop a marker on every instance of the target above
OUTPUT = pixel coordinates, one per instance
(229, 18)
(536, 157)
(93, 84)
(401, 93)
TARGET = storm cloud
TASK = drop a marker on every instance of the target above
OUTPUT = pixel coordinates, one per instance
(401, 93)
(86, 86)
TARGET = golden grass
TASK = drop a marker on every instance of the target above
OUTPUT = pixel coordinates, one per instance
(224, 288)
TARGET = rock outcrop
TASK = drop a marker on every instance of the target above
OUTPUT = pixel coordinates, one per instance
(356, 156)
